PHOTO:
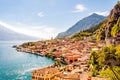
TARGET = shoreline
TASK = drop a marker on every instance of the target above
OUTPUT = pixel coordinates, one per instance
(75, 55)
(56, 50)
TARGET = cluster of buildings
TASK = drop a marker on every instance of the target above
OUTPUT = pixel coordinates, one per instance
(69, 72)
(74, 53)
(67, 49)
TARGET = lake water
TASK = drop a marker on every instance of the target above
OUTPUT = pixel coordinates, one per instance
(18, 65)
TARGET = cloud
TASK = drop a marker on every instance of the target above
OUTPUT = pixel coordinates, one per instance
(104, 13)
(79, 8)
(39, 31)
(45, 31)
(40, 14)
(3, 24)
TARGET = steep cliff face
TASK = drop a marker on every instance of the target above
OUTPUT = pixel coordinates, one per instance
(111, 25)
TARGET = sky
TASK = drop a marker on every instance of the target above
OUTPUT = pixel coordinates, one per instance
(47, 18)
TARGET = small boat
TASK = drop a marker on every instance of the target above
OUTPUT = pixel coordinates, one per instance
(14, 46)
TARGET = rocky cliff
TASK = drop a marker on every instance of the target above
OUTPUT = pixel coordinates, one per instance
(111, 25)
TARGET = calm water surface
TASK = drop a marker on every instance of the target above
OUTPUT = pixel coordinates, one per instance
(18, 65)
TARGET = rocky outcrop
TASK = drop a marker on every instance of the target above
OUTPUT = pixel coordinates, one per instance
(112, 19)
(111, 25)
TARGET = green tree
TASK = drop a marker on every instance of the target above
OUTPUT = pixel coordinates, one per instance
(118, 53)
(109, 54)
(106, 63)
(115, 30)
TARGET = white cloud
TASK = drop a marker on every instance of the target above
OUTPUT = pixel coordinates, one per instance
(104, 13)
(6, 25)
(44, 31)
(79, 8)
(40, 31)
(40, 14)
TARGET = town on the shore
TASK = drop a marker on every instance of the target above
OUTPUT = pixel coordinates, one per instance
(76, 58)
(71, 57)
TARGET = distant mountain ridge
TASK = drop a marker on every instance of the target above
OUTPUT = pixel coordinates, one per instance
(7, 35)
(85, 23)
(108, 30)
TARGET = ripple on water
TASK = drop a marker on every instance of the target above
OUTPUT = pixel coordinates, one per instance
(19, 65)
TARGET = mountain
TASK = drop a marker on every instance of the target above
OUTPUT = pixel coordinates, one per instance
(85, 23)
(7, 35)
(107, 30)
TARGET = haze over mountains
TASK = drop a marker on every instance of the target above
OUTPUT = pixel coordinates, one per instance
(7, 35)
(85, 23)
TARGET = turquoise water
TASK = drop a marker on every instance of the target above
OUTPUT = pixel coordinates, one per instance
(18, 65)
